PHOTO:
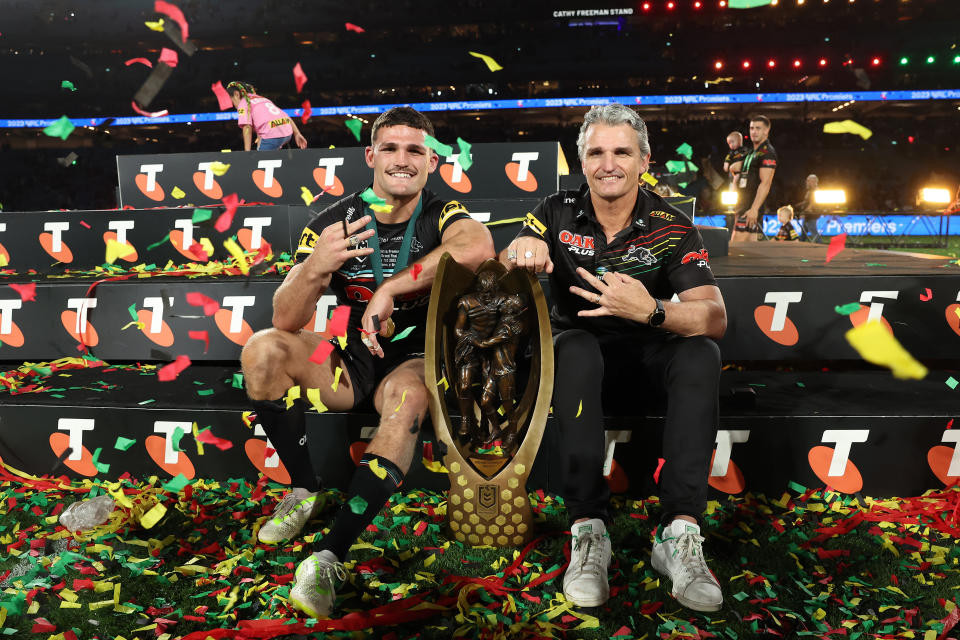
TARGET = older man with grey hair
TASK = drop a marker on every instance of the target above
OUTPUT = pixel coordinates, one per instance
(616, 255)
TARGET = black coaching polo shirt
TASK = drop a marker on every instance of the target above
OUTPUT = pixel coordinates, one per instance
(661, 248)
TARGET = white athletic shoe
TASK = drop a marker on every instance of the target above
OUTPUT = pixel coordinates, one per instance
(585, 582)
(678, 554)
(313, 590)
(292, 512)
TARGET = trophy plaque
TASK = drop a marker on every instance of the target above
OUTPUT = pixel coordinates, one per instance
(481, 326)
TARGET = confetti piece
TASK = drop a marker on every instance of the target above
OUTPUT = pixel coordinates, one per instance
(378, 471)
(875, 345)
(176, 485)
(749, 4)
(175, 439)
(168, 57)
(926, 295)
(299, 76)
(403, 334)
(155, 26)
(649, 179)
(201, 215)
(206, 437)
(230, 245)
(656, 473)
(148, 114)
(306, 196)
(66, 84)
(123, 443)
(336, 378)
(352, 27)
(174, 13)
(28, 292)
(416, 269)
(153, 516)
(143, 61)
(101, 467)
(61, 128)
(237, 381)
(338, 320)
(357, 504)
(201, 335)
(313, 397)
(172, 370)
(464, 159)
(441, 149)
(579, 409)
(355, 126)
(230, 202)
(69, 160)
(178, 193)
(837, 244)
(952, 382)
(847, 309)
(685, 150)
(403, 398)
(847, 126)
(223, 98)
(443, 381)
(490, 62)
(321, 353)
(307, 111)
(219, 169)
(197, 299)
(117, 250)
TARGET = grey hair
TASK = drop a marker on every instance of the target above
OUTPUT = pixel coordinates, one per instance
(613, 115)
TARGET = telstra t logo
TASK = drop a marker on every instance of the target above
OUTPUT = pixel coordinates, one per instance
(773, 321)
(519, 172)
(832, 465)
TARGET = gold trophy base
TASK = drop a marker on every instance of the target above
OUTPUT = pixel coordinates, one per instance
(493, 512)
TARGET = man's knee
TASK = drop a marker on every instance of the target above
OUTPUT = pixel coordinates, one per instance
(696, 359)
(579, 350)
(264, 359)
(405, 389)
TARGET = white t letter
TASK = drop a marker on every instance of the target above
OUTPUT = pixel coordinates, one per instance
(782, 300)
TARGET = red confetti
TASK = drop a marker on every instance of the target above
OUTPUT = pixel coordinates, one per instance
(198, 253)
(223, 99)
(656, 474)
(268, 452)
(28, 292)
(949, 623)
(927, 295)
(172, 370)
(140, 60)
(352, 27)
(206, 437)
(420, 528)
(338, 321)
(416, 269)
(322, 352)
(299, 76)
(201, 335)
(173, 12)
(231, 202)
(169, 57)
(950, 424)
(197, 299)
(42, 625)
(837, 244)
(84, 224)
(622, 631)
(307, 111)
(148, 114)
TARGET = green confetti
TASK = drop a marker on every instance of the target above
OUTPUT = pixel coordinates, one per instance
(176, 437)
(355, 126)
(464, 159)
(436, 145)
(205, 392)
(61, 128)
(237, 382)
(676, 166)
(143, 402)
(370, 197)
(201, 215)
(403, 334)
(158, 243)
(748, 4)
(358, 505)
(176, 485)
(952, 382)
(801, 385)
(132, 310)
(799, 488)
(66, 84)
(123, 443)
(685, 150)
(101, 466)
(847, 309)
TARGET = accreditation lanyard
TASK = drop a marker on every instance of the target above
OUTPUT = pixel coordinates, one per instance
(744, 172)
(403, 257)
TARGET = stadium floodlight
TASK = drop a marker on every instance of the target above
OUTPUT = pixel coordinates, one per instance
(729, 198)
(933, 195)
(830, 196)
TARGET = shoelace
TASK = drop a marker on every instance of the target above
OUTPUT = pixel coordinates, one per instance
(287, 504)
(690, 545)
(327, 571)
(591, 558)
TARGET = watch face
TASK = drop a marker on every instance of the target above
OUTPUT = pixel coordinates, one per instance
(657, 318)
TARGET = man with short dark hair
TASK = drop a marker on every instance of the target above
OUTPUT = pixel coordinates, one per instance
(616, 254)
(755, 181)
(379, 254)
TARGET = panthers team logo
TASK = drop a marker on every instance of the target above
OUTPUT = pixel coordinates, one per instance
(640, 254)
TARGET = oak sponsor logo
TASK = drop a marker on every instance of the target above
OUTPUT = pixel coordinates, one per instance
(454, 175)
(325, 175)
(76, 322)
(725, 475)
(519, 172)
(581, 245)
(875, 309)
(944, 461)
(230, 319)
(952, 313)
(10, 333)
(161, 448)
(80, 460)
(52, 241)
(118, 234)
(270, 466)
(832, 465)
(205, 180)
(773, 321)
(147, 181)
(263, 177)
(154, 326)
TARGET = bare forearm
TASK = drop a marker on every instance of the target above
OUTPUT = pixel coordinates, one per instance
(695, 318)
(762, 191)
(296, 298)
(247, 138)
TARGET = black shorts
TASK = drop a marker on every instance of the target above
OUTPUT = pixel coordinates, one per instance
(366, 370)
(741, 223)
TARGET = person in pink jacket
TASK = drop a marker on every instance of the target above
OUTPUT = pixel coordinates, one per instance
(273, 126)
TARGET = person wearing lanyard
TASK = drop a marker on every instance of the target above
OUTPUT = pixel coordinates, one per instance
(754, 181)
(378, 251)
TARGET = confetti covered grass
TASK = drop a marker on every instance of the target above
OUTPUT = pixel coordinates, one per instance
(811, 563)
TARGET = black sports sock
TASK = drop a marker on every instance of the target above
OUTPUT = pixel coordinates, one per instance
(287, 431)
(367, 494)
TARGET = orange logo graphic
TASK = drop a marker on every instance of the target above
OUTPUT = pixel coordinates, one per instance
(787, 336)
(952, 313)
(274, 190)
(522, 180)
(154, 194)
(223, 318)
(859, 317)
(10, 333)
(84, 466)
(129, 257)
(214, 192)
(70, 323)
(62, 253)
(320, 177)
(820, 459)
(163, 337)
(176, 239)
(12, 337)
(156, 447)
(257, 454)
(4, 256)
(939, 458)
(245, 236)
(463, 185)
(732, 482)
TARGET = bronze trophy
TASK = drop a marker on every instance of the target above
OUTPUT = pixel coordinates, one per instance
(478, 325)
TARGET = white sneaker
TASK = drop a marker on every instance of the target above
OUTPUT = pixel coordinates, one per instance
(313, 590)
(585, 582)
(292, 512)
(678, 554)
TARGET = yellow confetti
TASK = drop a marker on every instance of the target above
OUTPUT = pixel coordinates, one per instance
(930, 634)
(875, 345)
(196, 439)
(579, 409)
(293, 393)
(306, 195)
(402, 399)
(152, 517)
(848, 126)
(155, 26)
(117, 250)
(343, 341)
(490, 62)
(378, 471)
(207, 246)
(313, 395)
(435, 466)
(237, 253)
(3, 260)
(649, 179)
(70, 605)
(430, 560)
(381, 208)
(178, 193)
(336, 378)
(219, 168)
(443, 381)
